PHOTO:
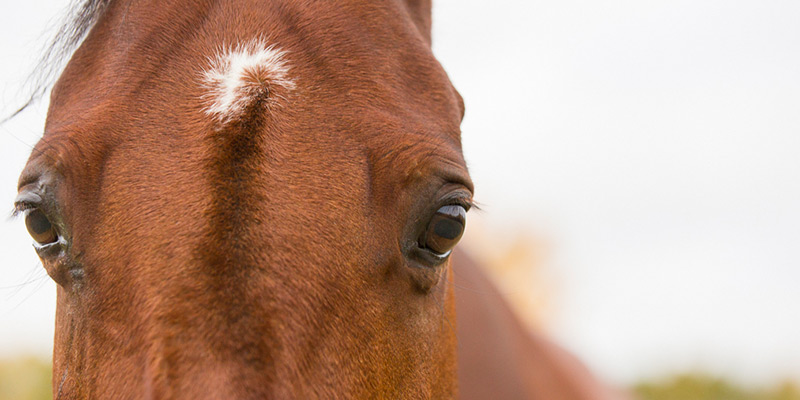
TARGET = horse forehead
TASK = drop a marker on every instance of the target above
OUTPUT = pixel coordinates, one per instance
(139, 42)
(201, 76)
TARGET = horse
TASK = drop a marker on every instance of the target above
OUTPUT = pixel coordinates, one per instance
(248, 199)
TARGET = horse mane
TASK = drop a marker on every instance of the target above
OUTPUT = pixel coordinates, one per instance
(81, 16)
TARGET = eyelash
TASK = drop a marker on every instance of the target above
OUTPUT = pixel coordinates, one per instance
(21, 208)
(463, 201)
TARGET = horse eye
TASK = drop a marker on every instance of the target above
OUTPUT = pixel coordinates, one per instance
(444, 230)
(40, 228)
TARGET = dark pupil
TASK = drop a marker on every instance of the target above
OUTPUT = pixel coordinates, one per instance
(447, 228)
(38, 223)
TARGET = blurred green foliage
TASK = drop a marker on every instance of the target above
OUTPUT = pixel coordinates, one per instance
(703, 387)
(25, 379)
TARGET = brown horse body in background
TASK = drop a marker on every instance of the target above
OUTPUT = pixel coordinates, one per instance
(259, 199)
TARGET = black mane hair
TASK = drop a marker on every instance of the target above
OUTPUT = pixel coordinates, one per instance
(80, 18)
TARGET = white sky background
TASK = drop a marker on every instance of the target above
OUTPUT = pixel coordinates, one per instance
(655, 143)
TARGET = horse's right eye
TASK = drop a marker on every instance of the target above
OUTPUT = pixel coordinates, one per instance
(40, 228)
(444, 230)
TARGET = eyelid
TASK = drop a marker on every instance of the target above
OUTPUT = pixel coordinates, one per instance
(25, 201)
(467, 203)
(460, 198)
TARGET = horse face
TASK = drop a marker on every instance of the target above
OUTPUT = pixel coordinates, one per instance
(251, 202)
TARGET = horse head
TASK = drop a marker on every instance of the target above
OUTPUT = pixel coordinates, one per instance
(251, 199)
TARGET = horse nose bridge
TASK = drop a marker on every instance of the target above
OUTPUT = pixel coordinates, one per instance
(192, 376)
(209, 336)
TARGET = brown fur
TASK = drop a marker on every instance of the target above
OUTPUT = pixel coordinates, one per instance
(266, 258)
(499, 358)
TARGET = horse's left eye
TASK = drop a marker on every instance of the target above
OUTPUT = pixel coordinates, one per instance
(444, 230)
(40, 228)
